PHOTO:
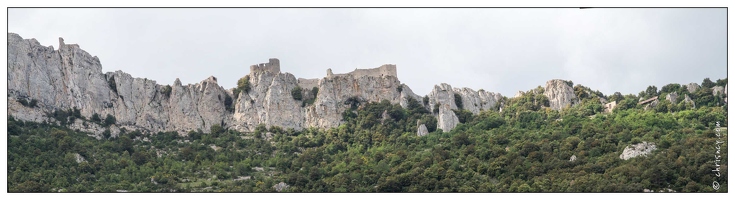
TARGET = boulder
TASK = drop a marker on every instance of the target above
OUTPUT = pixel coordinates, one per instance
(422, 130)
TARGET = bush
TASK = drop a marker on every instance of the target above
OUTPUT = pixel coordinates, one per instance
(721, 82)
(23, 102)
(458, 101)
(216, 129)
(400, 88)
(708, 83)
(426, 100)
(243, 85)
(109, 120)
(314, 91)
(463, 115)
(166, 91)
(569, 83)
(430, 122)
(106, 134)
(296, 93)
(229, 105)
(96, 118)
(111, 83)
(77, 113)
(353, 102)
(30, 104)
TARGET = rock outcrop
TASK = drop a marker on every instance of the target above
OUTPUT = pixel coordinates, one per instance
(671, 97)
(689, 100)
(610, 106)
(560, 94)
(71, 78)
(635, 150)
(280, 186)
(422, 130)
(718, 91)
(476, 102)
(692, 87)
(447, 120)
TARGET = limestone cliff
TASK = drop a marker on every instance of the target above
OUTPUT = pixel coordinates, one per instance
(69, 77)
(560, 94)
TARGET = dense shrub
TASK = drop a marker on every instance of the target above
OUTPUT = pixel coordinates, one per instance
(296, 93)
(458, 101)
(109, 120)
(166, 91)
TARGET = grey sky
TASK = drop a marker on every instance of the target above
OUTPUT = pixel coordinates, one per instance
(499, 50)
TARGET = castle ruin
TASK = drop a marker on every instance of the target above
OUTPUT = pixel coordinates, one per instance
(273, 66)
(384, 70)
(308, 83)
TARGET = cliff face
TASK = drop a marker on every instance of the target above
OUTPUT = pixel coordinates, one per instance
(71, 78)
(560, 94)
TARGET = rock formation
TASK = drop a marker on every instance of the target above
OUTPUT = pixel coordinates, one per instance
(280, 186)
(689, 100)
(71, 78)
(422, 130)
(672, 97)
(718, 90)
(635, 150)
(447, 120)
(610, 106)
(560, 94)
(476, 102)
(518, 94)
(692, 87)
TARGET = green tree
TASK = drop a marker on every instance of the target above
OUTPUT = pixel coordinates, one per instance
(243, 85)
(109, 120)
(296, 93)
(458, 101)
(707, 83)
(673, 87)
(616, 97)
(96, 118)
(721, 82)
(651, 91)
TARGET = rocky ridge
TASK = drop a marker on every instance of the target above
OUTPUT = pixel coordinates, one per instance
(69, 77)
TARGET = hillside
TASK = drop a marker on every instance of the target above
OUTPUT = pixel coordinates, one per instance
(72, 128)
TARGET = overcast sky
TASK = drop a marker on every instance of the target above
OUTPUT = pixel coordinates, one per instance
(499, 50)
